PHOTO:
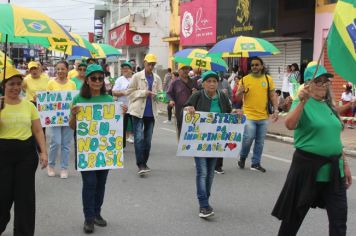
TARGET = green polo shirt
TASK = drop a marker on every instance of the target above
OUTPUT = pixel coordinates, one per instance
(318, 131)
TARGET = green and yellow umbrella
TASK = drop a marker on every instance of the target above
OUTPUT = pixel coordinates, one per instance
(83, 42)
(105, 51)
(2, 61)
(199, 59)
(242, 46)
(24, 25)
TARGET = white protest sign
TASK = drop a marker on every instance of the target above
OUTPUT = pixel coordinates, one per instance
(54, 107)
(209, 134)
(99, 136)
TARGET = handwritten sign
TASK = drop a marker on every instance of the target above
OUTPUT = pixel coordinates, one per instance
(54, 107)
(99, 136)
(208, 134)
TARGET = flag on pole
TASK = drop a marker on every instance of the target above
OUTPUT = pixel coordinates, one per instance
(342, 40)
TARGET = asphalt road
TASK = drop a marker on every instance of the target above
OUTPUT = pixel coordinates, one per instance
(164, 202)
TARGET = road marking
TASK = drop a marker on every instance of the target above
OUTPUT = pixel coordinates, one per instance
(170, 130)
(266, 155)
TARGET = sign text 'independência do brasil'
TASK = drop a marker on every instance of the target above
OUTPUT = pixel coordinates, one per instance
(208, 134)
(99, 136)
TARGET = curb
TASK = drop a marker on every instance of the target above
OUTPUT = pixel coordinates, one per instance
(349, 152)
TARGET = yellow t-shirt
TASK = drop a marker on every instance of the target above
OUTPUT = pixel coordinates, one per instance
(72, 74)
(32, 85)
(53, 85)
(255, 96)
(16, 120)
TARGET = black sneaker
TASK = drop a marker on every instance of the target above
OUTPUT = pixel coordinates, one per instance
(206, 212)
(258, 167)
(241, 163)
(88, 226)
(147, 169)
(99, 221)
(141, 170)
(219, 171)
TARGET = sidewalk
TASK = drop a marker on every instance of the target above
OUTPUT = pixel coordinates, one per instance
(278, 131)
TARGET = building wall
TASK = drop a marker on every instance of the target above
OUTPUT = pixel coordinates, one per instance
(146, 17)
(323, 21)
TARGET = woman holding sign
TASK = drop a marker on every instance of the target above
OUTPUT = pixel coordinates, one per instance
(319, 174)
(19, 122)
(60, 136)
(92, 91)
(208, 99)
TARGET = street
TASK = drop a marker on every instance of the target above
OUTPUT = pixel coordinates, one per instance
(164, 202)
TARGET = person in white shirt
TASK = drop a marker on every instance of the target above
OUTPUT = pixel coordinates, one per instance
(346, 98)
(119, 91)
(286, 82)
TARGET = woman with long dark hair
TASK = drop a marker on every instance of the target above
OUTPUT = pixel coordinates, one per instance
(92, 91)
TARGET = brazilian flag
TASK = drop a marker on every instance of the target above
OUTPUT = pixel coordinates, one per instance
(342, 40)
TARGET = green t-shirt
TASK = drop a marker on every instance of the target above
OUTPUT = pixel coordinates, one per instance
(215, 106)
(318, 131)
(78, 83)
(97, 99)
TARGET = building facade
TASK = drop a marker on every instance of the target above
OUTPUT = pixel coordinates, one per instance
(137, 27)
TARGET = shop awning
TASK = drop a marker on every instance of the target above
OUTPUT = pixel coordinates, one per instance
(122, 36)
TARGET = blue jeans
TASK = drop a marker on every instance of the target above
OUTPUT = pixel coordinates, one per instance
(93, 192)
(60, 137)
(143, 130)
(205, 175)
(254, 130)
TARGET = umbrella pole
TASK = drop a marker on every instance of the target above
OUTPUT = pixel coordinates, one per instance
(5, 56)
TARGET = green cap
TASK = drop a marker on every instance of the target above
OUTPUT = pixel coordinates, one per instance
(82, 64)
(126, 63)
(93, 68)
(208, 74)
(310, 70)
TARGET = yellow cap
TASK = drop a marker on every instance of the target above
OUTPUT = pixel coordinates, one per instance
(10, 72)
(33, 64)
(181, 66)
(150, 58)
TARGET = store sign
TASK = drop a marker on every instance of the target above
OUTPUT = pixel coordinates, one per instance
(137, 39)
(123, 36)
(198, 22)
(255, 18)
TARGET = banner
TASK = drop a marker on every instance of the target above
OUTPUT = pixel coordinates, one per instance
(99, 136)
(54, 107)
(208, 134)
(256, 18)
(198, 22)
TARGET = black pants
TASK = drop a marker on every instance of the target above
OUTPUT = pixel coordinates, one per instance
(179, 119)
(127, 117)
(169, 111)
(336, 208)
(18, 164)
(219, 163)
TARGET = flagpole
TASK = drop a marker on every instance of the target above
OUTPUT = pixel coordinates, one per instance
(321, 54)
(5, 56)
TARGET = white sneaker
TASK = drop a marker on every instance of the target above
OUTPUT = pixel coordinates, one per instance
(130, 140)
(64, 174)
(167, 122)
(51, 172)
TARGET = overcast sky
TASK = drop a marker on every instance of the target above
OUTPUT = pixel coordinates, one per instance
(75, 14)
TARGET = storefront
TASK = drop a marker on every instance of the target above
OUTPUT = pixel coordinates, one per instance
(134, 45)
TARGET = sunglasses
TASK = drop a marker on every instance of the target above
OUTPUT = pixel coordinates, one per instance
(320, 82)
(95, 79)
